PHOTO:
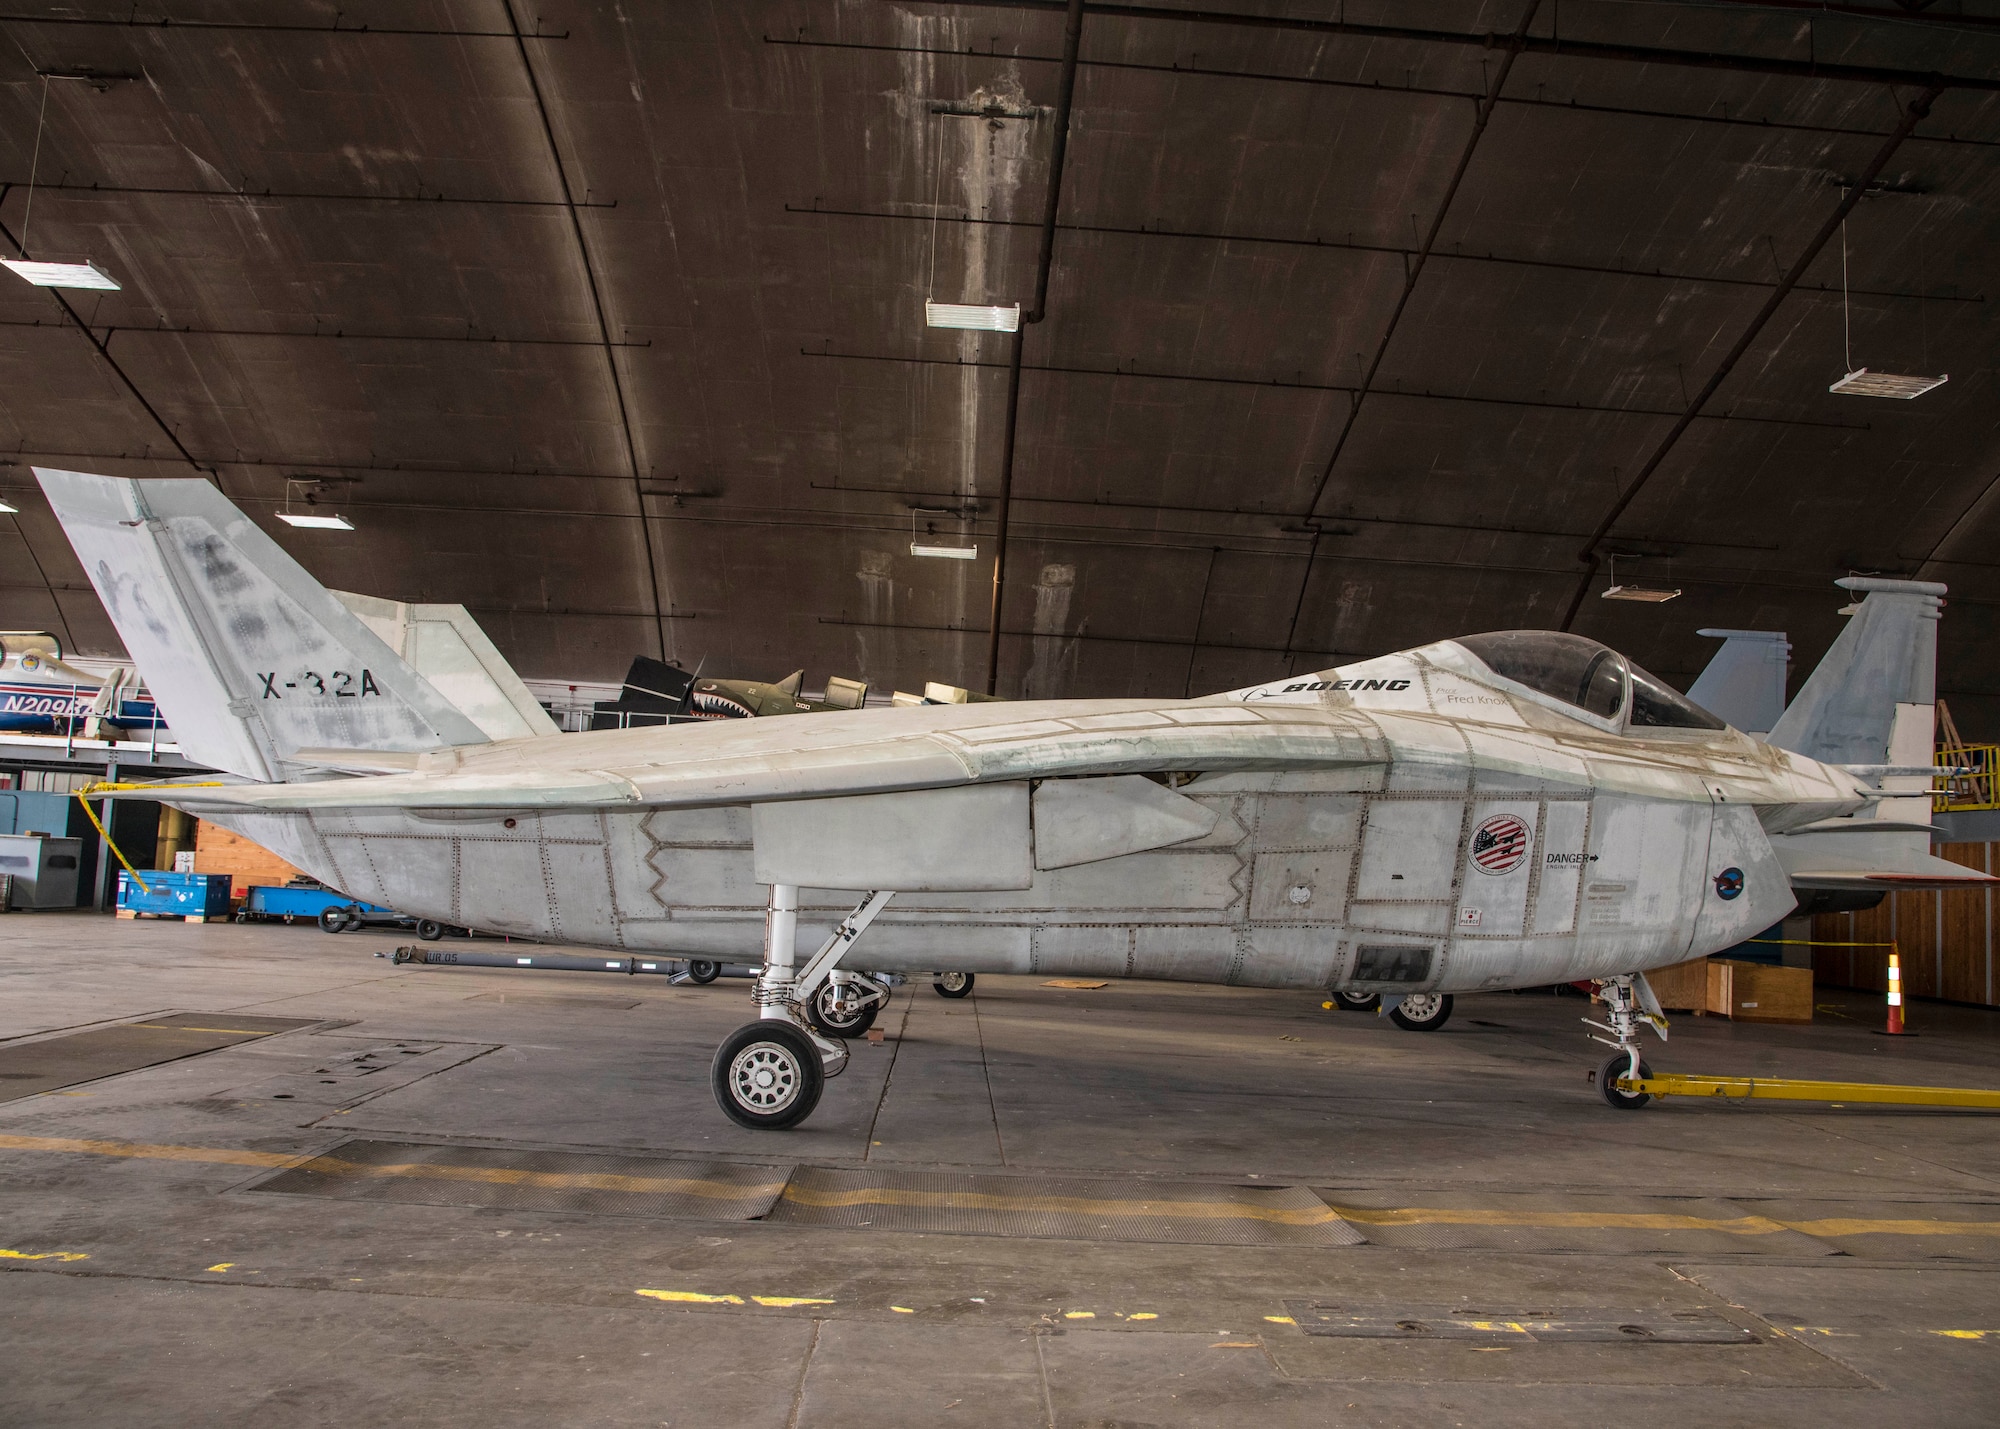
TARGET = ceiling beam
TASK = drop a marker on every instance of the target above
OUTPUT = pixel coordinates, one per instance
(1393, 250)
(612, 374)
(1045, 258)
(1552, 44)
(1571, 105)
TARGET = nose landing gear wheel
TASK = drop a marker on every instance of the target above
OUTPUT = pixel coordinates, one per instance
(333, 920)
(767, 1075)
(429, 930)
(1616, 1066)
(702, 971)
(1357, 1001)
(1422, 1011)
(827, 1014)
(952, 985)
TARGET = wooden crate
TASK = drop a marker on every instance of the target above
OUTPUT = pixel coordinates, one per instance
(216, 850)
(1682, 987)
(1758, 992)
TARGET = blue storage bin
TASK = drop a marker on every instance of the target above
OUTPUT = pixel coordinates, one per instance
(187, 895)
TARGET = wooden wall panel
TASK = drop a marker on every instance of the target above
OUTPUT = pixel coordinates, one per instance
(217, 850)
(1964, 914)
(1946, 939)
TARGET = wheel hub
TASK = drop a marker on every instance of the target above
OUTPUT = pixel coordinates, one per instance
(764, 1077)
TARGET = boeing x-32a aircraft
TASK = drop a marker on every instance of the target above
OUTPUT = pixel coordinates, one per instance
(1499, 811)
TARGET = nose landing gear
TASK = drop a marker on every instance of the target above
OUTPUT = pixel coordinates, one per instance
(1628, 1001)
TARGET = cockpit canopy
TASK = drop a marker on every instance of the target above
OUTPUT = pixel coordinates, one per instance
(1588, 676)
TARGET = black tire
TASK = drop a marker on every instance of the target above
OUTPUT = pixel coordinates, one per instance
(953, 985)
(767, 1075)
(429, 930)
(355, 922)
(1427, 1011)
(1357, 1001)
(703, 971)
(1608, 1074)
(333, 920)
(821, 1014)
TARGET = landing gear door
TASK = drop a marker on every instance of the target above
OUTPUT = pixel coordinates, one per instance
(1497, 882)
(1562, 865)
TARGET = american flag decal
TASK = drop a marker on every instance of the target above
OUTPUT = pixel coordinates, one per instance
(1499, 844)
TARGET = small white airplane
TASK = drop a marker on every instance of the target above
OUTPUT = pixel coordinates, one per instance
(1504, 810)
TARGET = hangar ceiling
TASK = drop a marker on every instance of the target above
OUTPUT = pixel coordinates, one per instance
(607, 320)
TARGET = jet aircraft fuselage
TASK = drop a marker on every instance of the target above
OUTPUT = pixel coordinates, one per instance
(1419, 822)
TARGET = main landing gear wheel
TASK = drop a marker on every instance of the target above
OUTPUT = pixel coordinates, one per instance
(1357, 1001)
(702, 971)
(767, 1075)
(1422, 1011)
(333, 920)
(1618, 1064)
(832, 1013)
(429, 930)
(952, 985)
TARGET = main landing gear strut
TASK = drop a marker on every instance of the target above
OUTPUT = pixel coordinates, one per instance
(1628, 1001)
(769, 1073)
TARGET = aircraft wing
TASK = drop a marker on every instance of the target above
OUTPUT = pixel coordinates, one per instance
(866, 752)
(1857, 862)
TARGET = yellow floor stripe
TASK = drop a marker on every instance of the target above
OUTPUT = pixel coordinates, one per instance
(1611, 1220)
(217, 1155)
(1075, 1205)
(1858, 1227)
(549, 1180)
(1560, 1220)
(62, 1255)
(1830, 1227)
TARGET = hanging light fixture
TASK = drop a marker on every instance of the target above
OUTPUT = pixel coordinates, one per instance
(1859, 381)
(1651, 595)
(311, 520)
(52, 274)
(973, 317)
(928, 545)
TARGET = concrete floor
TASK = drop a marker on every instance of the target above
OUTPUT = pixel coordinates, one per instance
(1859, 1247)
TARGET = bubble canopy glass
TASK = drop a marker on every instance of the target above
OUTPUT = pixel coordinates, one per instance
(1586, 675)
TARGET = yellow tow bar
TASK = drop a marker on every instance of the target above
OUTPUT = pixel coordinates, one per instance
(1675, 1084)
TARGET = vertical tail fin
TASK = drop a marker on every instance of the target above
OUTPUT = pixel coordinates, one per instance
(445, 645)
(1872, 699)
(249, 658)
(1744, 683)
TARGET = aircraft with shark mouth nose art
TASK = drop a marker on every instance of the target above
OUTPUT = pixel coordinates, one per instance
(1503, 810)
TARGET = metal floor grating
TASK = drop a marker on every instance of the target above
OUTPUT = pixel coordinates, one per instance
(1050, 1207)
(30, 1067)
(534, 1180)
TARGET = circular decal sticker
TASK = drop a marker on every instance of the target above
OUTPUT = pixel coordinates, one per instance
(1499, 844)
(1728, 883)
(31, 661)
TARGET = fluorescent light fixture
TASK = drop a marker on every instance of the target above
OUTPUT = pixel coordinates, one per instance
(1633, 592)
(1863, 383)
(973, 317)
(63, 275)
(950, 553)
(6, 510)
(316, 522)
